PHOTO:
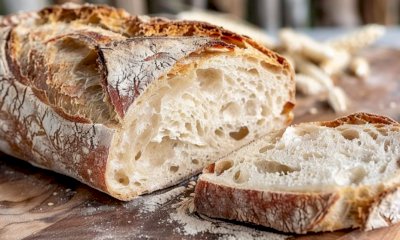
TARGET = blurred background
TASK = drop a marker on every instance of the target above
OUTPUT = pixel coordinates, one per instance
(267, 14)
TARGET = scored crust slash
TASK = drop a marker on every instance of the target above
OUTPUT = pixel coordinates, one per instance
(127, 104)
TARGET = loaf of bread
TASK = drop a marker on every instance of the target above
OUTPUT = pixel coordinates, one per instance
(129, 105)
(311, 177)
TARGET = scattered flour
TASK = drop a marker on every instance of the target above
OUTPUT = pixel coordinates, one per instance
(193, 224)
(153, 202)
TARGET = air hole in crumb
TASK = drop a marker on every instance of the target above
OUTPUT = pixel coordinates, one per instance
(260, 87)
(274, 167)
(253, 72)
(350, 134)
(260, 122)
(386, 145)
(219, 132)
(239, 135)
(229, 80)
(357, 174)
(137, 183)
(266, 148)
(311, 155)
(174, 168)
(138, 155)
(371, 133)
(382, 169)
(382, 131)
(210, 78)
(240, 177)
(199, 129)
(187, 97)
(265, 111)
(122, 178)
(231, 110)
(251, 108)
(271, 67)
(222, 166)
(252, 59)
(195, 161)
(188, 126)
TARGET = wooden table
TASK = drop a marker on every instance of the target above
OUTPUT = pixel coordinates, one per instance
(38, 204)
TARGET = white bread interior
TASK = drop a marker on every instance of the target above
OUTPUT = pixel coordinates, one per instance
(217, 103)
(313, 158)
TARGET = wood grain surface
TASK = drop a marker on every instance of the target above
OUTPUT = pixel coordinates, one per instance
(39, 204)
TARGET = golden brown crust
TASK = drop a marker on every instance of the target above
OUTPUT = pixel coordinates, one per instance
(359, 119)
(119, 21)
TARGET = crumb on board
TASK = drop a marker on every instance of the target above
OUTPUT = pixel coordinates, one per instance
(392, 105)
(313, 111)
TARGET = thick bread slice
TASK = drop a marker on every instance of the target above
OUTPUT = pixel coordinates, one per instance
(127, 104)
(310, 177)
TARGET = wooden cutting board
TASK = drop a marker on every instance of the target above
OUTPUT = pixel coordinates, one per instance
(39, 204)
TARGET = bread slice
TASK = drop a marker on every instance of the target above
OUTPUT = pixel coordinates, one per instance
(128, 104)
(310, 177)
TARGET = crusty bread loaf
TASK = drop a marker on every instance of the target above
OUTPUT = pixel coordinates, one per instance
(310, 177)
(127, 104)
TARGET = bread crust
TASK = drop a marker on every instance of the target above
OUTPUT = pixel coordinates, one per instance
(302, 212)
(384, 211)
(48, 136)
(359, 119)
(287, 212)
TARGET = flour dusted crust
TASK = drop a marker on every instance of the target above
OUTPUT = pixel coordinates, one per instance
(287, 212)
(363, 206)
(384, 211)
(66, 115)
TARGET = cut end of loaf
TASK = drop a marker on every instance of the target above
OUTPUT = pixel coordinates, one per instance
(355, 158)
(285, 160)
(195, 115)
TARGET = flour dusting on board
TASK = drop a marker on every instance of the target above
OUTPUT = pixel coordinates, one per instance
(153, 202)
(192, 224)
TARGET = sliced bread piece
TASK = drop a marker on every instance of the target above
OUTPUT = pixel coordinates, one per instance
(310, 177)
